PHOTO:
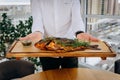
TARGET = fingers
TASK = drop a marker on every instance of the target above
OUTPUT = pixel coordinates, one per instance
(84, 38)
(87, 37)
(34, 37)
(24, 38)
(92, 39)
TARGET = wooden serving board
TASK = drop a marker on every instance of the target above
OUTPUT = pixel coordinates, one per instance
(18, 50)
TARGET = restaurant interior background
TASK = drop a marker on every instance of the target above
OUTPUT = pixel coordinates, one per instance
(101, 18)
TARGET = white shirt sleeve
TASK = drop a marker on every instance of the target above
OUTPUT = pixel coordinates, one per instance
(77, 22)
(37, 17)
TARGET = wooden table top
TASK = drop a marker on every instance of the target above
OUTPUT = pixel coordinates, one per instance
(18, 50)
(73, 74)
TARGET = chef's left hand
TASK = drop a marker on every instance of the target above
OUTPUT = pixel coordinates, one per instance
(87, 37)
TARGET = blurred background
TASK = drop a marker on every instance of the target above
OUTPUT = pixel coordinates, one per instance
(101, 17)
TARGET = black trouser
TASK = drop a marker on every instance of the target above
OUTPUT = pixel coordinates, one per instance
(55, 63)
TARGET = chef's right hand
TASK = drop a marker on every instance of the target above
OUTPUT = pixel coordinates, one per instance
(34, 37)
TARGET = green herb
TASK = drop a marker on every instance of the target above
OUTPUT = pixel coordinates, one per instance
(67, 42)
(78, 43)
(72, 43)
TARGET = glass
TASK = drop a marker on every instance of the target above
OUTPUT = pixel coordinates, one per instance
(103, 7)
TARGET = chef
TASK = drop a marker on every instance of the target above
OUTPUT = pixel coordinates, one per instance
(57, 18)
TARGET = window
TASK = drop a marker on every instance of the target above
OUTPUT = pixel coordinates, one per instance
(16, 9)
(102, 19)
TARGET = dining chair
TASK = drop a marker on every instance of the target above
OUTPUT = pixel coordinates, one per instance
(15, 69)
(117, 66)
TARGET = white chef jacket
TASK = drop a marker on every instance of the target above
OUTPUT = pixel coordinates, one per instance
(57, 18)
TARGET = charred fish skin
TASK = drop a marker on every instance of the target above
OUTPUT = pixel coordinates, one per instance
(63, 44)
(42, 44)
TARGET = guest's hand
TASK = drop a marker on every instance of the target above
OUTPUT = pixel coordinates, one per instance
(87, 37)
(34, 37)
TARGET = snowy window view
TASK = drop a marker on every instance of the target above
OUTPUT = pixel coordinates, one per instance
(14, 2)
(105, 21)
(16, 9)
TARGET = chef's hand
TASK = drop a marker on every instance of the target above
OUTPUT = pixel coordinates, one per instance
(34, 37)
(87, 37)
